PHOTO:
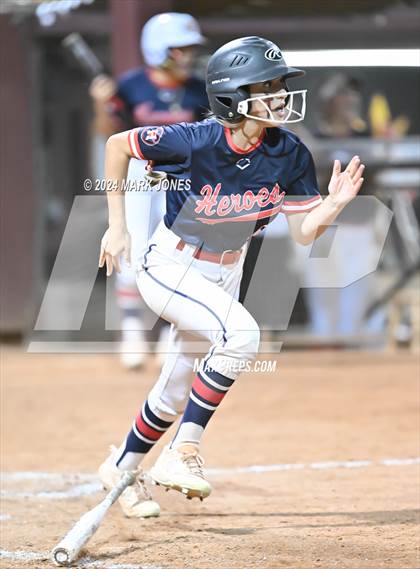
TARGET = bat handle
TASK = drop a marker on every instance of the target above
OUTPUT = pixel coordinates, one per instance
(69, 547)
(127, 479)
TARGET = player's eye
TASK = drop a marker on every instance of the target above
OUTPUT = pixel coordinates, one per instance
(267, 86)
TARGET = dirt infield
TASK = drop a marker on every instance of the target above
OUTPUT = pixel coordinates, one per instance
(325, 426)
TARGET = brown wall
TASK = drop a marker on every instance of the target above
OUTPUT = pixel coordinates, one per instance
(16, 181)
(125, 29)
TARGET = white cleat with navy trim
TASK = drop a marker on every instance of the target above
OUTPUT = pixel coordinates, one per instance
(182, 471)
(136, 500)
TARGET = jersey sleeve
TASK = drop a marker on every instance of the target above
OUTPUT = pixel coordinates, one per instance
(302, 193)
(169, 144)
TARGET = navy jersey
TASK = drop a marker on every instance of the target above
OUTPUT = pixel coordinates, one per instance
(219, 194)
(149, 102)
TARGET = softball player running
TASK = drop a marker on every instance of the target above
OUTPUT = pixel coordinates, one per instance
(230, 175)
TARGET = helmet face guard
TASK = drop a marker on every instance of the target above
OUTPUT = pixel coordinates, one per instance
(295, 107)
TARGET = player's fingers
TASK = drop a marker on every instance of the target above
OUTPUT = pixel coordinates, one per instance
(127, 250)
(336, 167)
(358, 185)
(353, 165)
(358, 173)
(116, 263)
(127, 256)
(108, 260)
(101, 258)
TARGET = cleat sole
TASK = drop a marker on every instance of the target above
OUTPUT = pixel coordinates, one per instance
(187, 492)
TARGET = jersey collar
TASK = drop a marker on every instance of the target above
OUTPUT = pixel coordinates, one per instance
(236, 148)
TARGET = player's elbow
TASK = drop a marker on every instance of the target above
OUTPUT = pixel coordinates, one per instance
(118, 144)
(113, 142)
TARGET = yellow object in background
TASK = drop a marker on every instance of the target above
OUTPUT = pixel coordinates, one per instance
(381, 123)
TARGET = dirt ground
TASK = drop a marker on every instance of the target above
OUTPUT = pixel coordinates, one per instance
(320, 413)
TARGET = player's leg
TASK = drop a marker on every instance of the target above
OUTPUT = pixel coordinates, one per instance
(134, 345)
(144, 210)
(193, 303)
(164, 403)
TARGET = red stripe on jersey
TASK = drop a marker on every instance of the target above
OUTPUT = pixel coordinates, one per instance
(136, 142)
(207, 393)
(147, 431)
(131, 148)
(301, 202)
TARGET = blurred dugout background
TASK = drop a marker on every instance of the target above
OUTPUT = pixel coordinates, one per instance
(47, 150)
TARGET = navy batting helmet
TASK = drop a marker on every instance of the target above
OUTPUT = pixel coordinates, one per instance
(237, 64)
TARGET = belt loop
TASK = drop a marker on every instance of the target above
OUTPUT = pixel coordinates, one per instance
(223, 255)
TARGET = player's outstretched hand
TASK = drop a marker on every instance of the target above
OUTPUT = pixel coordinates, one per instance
(344, 186)
(113, 244)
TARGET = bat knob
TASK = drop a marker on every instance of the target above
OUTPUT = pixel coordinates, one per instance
(61, 556)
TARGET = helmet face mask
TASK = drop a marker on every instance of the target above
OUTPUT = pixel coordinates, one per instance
(292, 111)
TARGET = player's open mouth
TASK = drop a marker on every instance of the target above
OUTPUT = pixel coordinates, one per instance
(280, 109)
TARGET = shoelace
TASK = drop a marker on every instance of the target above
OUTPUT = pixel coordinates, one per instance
(140, 486)
(194, 463)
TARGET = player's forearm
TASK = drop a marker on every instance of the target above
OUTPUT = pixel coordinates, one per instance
(316, 221)
(103, 122)
(116, 167)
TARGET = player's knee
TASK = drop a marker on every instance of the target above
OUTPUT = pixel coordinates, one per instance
(174, 401)
(245, 342)
(252, 342)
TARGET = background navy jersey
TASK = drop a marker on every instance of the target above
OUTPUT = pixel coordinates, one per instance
(225, 193)
(149, 102)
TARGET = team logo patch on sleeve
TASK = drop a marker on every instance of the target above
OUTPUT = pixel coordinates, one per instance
(151, 136)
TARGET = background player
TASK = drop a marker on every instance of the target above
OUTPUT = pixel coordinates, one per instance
(238, 171)
(163, 92)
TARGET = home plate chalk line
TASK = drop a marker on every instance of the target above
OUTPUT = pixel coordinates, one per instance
(85, 484)
(83, 562)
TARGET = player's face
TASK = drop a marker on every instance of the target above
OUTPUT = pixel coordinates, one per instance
(277, 103)
(182, 61)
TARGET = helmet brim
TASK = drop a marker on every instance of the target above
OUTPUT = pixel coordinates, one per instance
(284, 72)
(192, 38)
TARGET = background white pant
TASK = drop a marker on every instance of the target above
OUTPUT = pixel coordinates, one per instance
(199, 298)
(144, 211)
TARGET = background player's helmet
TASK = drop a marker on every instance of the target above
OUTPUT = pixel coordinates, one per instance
(167, 30)
(237, 64)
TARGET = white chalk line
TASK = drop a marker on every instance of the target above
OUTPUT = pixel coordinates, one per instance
(83, 562)
(74, 492)
(325, 465)
(86, 484)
